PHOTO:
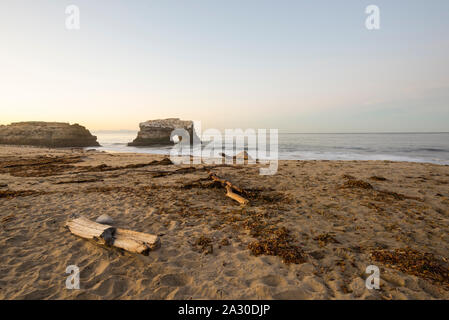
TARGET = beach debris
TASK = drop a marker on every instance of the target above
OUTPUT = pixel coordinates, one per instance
(7, 218)
(354, 183)
(41, 166)
(225, 242)
(173, 225)
(378, 195)
(273, 240)
(108, 236)
(103, 167)
(204, 244)
(407, 260)
(324, 239)
(224, 155)
(103, 234)
(45, 166)
(8, 194)
(383, 195)
(81, 180)
(104, 219)
(161, 173)
(278, 247)
(232, 191)
(242, 155)
(378, 178)
(235, 196)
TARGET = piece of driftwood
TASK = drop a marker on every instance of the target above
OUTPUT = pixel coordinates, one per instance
(230, 188)
(242, 155)
(132, 241)
(235, 196)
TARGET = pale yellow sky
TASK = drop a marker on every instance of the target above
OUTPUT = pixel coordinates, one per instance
(300, 67)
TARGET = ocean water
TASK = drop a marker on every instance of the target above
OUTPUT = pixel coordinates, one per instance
(413, 147)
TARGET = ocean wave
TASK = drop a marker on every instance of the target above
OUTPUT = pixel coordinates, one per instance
(395, 147)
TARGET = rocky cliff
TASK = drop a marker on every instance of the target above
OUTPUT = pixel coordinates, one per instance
(47, 134)
(157, 132)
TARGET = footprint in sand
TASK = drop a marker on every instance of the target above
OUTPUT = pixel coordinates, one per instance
(273, 281)
(173, 280)
(293, 294)
(111, 287)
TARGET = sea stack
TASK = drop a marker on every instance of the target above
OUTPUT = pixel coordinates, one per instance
(47, 134)
(158, 132)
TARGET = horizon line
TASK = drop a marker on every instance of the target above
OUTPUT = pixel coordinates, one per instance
(371, 132)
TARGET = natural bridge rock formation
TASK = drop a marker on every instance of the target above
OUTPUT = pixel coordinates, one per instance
(47, 134)
(158, 132)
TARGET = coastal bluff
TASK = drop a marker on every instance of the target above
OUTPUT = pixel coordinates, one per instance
(157, 132)
(47, 134)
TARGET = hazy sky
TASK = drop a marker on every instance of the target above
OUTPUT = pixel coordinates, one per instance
(300, 66)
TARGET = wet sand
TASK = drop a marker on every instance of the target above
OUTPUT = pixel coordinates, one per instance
(309, 232)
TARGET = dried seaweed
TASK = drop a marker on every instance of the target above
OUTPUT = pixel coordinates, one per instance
(204, 244)
(7, 218)
(378, 178)
(104, 167)
(324, 239)
(44, 166)
(353, 183)
(158, 174)
(407, 260)
(275, 242)
(201, 184)
(79, 181)
(9, 194)
(379, 195)
(41, 166)
(277, 247)
(382, 195)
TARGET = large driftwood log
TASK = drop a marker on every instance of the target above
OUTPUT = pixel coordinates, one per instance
(229, 189)
(132, 241)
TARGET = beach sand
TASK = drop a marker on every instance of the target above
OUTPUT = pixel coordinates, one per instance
(309, 232)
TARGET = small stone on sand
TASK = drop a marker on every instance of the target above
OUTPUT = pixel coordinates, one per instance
(105, 219)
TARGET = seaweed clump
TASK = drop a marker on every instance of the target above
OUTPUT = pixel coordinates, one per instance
(424, 265)
(353, 183)
(204, 244)
(324, 239)
(278, 242)
(9, 194)
(41, 166)
(378, 178)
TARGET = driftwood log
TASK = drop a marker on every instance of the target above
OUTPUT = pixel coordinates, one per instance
(242, 155)
(132, 241)
(230, 188)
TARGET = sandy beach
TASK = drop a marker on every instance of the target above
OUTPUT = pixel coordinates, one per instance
(309, 231)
